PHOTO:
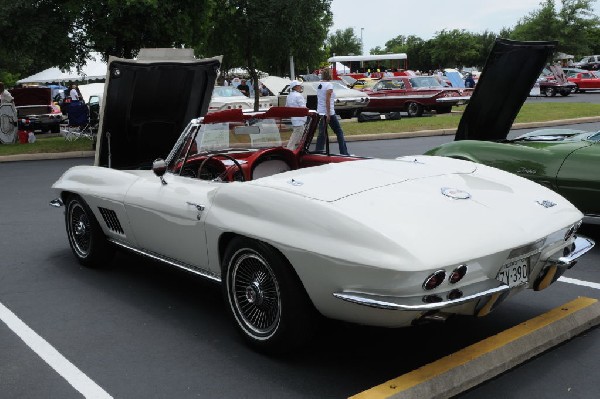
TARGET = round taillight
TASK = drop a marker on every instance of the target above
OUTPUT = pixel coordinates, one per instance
(455, 294)
(457, 274)
(432, 299)
(434, 280)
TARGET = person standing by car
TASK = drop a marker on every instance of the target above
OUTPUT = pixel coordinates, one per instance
(325, 108)
(74, 93)
(296, 99)
(469, 81)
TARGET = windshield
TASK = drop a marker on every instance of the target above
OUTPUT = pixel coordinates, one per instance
(226, 91)
(424, 81)
(236, 137)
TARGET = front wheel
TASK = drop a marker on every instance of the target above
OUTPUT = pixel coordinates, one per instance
(414, 109)
(549, 91)
(265, 297)
(346, 114)
(86, 238)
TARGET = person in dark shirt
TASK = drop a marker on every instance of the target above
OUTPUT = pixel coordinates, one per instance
(244, 88)
(469, 81)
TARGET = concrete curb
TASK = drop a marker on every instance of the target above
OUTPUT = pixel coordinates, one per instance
(495, 355)
(48, 155)
(359, 137)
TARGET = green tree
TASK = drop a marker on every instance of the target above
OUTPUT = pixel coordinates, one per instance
(249, 34)
(454, 48)
(343, 42)
(572, 26)
(30, 44)
(121, 27)
(70, 29)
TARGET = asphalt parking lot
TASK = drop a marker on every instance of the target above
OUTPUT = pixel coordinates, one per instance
(141, 330)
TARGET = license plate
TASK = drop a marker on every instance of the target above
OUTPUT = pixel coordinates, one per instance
(514, 273)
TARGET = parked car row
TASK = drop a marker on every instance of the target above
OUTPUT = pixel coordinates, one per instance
(414, 95)
(589, 62)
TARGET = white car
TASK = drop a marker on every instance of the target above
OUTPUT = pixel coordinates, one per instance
(228, 97)
(347, 101)
(292, 234)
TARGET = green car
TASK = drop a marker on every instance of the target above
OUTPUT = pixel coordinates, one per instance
(564, 160)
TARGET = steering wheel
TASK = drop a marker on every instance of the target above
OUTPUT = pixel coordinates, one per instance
(222, 175)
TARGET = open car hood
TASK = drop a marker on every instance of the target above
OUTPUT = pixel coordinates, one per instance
(275, 84)
(147, 103)
(510, 71)
(32, 96)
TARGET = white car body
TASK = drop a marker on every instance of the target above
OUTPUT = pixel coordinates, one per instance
(291, 232)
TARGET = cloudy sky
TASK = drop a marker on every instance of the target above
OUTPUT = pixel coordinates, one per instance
(383, 20)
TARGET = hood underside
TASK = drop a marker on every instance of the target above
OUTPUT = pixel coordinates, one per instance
(148, 102)
(510, 71)
(32, 96)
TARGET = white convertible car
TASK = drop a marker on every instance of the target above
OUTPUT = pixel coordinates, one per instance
(291, 233)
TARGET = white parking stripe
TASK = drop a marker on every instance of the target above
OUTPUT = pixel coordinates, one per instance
(58, 362)
(579, 282)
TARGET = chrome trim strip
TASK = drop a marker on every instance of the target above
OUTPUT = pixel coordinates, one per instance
(184, 266)
(57, 203)
(470, 292)
(591, 219)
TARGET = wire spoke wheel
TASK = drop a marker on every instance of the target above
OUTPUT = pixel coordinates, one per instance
(256, 295)
(265, 297)
(79, 230)
(87, 241)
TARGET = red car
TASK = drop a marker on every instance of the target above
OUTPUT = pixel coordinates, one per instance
(414, 94)
(34, 105)
(585, 81)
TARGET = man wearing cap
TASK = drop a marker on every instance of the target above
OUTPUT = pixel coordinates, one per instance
(296, 99)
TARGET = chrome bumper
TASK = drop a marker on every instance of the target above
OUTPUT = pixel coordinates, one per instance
(489, 293)
(556, 266)
(440, 300)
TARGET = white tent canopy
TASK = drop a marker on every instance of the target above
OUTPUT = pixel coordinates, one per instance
(94, 69)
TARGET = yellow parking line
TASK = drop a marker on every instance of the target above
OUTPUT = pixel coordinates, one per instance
(457, 359)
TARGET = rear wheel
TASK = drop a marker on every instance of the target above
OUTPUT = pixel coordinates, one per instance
(444, 110)
(265, 297)
(346, 114)
(414, 109)
(87, 241)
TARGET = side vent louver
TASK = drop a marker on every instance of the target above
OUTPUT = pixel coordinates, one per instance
(111, 220)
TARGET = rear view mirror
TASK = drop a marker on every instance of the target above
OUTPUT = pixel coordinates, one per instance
(247, 130)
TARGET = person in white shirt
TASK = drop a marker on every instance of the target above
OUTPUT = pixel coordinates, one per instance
(325, 108)
(5, 96)
(296, 99)
(73, 93)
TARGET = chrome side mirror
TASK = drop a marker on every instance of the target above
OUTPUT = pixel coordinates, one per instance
(159, 167)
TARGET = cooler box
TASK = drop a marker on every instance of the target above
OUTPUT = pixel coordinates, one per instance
(23, 136)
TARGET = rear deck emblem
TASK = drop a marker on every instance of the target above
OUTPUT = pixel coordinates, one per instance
(455, 193)
(546, 204)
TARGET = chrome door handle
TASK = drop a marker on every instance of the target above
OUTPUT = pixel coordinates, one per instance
(198, 207)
